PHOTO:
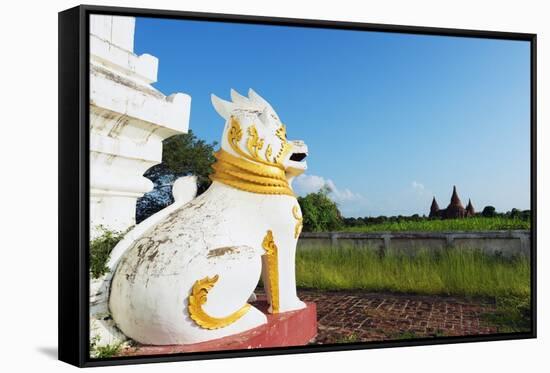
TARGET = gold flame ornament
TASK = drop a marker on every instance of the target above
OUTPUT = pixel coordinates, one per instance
(253, 144)
(272, 258)
(199, 296)
(299, 221)
(268, 152)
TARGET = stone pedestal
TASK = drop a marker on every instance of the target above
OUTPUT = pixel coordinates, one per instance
(294, 328)
(129, 118)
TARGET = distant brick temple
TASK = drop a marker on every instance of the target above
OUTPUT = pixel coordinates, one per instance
(455, 210)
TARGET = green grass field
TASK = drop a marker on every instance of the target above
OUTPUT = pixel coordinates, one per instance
(469, 224)
(456, 272)
(450, 272)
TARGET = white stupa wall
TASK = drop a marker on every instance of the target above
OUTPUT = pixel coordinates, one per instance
(129, 118)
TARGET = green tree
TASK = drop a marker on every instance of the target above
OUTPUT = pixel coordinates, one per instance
(186, 154)
(320, 213)
(182, 155)
(488, 212)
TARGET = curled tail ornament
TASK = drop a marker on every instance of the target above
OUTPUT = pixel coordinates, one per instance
(199, 296)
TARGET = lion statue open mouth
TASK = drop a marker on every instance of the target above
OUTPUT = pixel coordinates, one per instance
(188, 278)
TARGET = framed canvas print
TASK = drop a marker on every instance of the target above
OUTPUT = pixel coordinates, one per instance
(234, 185)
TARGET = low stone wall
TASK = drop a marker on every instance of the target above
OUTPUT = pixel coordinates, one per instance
(507, 243)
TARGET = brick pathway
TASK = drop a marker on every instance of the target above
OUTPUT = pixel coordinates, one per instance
(361, 316)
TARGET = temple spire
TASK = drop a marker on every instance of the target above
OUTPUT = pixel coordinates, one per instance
(455, 200)
(434, 209)
(455, 209)
(470, 208)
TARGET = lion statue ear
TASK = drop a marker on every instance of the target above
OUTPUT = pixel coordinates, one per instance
(239, 99)
(224, 108)
(257, 99)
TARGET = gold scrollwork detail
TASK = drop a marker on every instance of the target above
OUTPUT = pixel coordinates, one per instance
(271, 253)
(198, 298)
(235, 134)
(281, 133)
(254, 144)
(285, 145)
(299, 221)
(268, 167)
(283, 152)
(268, 153)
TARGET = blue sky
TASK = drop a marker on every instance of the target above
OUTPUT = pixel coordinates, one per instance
(390, 119)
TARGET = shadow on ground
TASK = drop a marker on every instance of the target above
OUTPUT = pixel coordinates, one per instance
(49, 351)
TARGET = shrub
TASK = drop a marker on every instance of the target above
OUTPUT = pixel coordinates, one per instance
(319, 212)
(488, 212)
(100, 250)
(106, 351)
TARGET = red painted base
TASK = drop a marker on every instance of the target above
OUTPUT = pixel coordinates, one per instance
(294, 328)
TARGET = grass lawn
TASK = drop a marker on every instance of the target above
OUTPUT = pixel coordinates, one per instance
(469, 273)
(469, 224)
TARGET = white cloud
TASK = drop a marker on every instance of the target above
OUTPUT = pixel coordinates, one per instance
(305, 184)
(341, 195)
(349, 203)
(418, 187)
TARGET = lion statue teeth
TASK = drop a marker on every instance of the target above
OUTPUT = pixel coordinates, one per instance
(188, 278)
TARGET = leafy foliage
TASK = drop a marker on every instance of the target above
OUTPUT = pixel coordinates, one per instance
(488, 220)
(161, 195)
(103, 352)
(437, 225)
(186, 154)
(512, 314)
(320, 213)
(488, 211)
(182, 155)
(100, 250)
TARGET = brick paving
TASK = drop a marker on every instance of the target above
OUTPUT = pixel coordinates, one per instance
(362, 316)
(355, 316)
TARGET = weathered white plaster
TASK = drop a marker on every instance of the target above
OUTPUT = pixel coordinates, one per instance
(218, 233)
(102, 326)
(129, 118)
(183, 190)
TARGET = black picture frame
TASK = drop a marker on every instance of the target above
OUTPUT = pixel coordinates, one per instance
(74, 181)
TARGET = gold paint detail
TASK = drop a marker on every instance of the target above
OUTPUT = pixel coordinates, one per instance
(299, 221)
(254, 144)
(249, 176)
(271, 254)
(281, 133)
(268, 153)
(285, 145)
(235, 134)
(283, 152)
(198, 298)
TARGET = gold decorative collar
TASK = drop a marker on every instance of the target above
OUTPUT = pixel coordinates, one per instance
(249, 176)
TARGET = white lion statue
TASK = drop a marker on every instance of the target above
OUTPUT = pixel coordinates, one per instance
(189, 277)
